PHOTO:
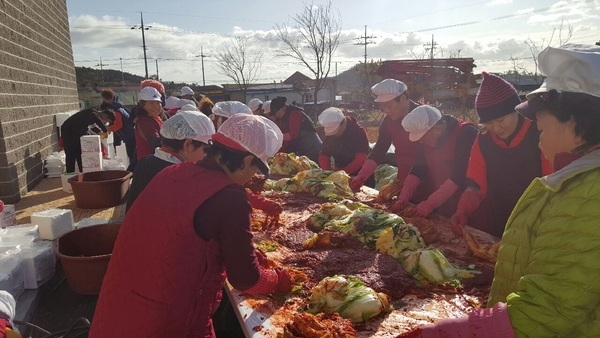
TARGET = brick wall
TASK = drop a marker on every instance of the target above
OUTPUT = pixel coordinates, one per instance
(37, 80)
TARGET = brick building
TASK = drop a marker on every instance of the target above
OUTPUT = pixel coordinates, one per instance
(37, 80)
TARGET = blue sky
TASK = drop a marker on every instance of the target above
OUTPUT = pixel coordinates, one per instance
(493, 32)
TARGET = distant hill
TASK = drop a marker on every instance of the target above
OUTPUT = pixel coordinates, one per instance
(90, 77)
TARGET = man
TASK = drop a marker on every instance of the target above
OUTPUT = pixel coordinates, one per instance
(394, 102)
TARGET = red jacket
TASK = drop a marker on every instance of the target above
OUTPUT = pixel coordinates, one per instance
(163, 280)
(392, 132)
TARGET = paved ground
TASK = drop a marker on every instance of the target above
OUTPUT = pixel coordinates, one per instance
(54, 306)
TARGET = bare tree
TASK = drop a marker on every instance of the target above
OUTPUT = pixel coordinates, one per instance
(564, 35)
(312, 40)
(238, 64)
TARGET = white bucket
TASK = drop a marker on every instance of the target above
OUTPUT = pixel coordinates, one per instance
(65, 183)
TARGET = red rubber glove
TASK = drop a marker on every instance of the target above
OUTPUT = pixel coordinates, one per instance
(324, 162)
(408, 189)
(261, 257)
(367, 170)
(437, 198)
(1, 206)
(269, 207)
(284, 281)
(468, 203)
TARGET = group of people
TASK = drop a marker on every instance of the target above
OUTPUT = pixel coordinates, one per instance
(529, 175)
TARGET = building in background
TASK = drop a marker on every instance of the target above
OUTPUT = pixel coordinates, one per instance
(37, 77)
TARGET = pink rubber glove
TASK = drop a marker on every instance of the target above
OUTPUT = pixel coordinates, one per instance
(408, 189)
(468, 203)
(437, 198)
(1, 206)
(492, 323)
(367, 170)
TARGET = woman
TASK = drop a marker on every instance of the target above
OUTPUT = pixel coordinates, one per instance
(546, 276)
(299, 133)
(171, 257)
(206, 105)
(226, 109)
(345, 141)
(437, 178)
(123, 128)
(148, 122)
(84, 122)
(505, 158)
(183, 137)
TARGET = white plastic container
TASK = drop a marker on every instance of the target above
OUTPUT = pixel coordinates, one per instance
(53, 223)
(64, 179)
(61, 118)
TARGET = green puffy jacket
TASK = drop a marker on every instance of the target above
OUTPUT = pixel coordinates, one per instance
(548, 267)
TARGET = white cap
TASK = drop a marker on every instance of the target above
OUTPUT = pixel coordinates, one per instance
(185, 90)
(149, 94)
(331, 119)
(229, 108)
(254, 104)
(188, 123)
(420, 120)
(253, 133)
(171, 102)
(570, 68)
(266, 107)
(388, 89)
(183, 102)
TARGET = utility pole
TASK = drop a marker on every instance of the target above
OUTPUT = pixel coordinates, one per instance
(143, 28)
(101, 70)
(202, 56)
(122, 77)
(431, 46)
(365, 43)
(157, 77)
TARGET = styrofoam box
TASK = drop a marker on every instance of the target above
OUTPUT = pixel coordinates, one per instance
(12, 271)
(39, 262)
(90, 143)
(91, 170)
(9, 216)
(53, 223)
(91, 160)
(26, 233)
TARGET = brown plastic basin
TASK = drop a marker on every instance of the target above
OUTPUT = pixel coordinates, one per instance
(100, 189)
(84, 254)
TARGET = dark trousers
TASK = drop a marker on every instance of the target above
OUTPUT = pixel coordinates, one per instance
(72, 154)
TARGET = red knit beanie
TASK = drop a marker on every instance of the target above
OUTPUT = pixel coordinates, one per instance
(496, 98)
